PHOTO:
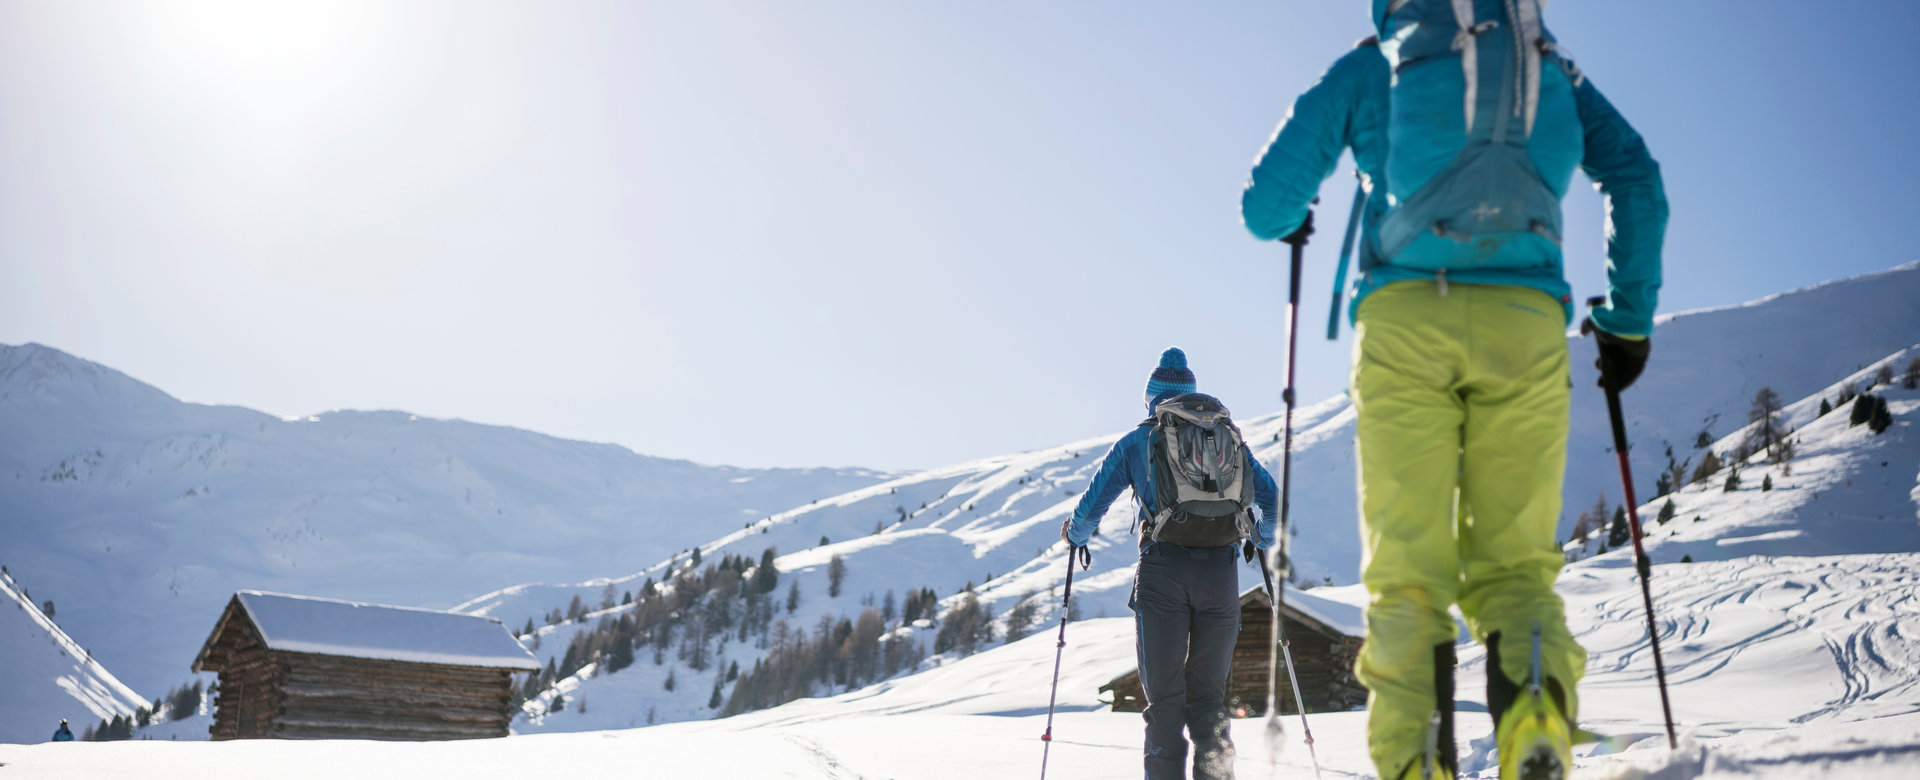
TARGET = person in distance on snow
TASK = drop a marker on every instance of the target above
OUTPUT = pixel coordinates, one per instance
(63, 734)
(1467, 121)
(1197, 486)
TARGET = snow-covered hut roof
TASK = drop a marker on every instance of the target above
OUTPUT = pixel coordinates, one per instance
(303, 624)
(1336, 617)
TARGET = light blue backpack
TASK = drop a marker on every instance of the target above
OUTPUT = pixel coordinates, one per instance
(1480, 101)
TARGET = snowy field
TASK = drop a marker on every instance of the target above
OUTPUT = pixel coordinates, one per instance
(1780, 667)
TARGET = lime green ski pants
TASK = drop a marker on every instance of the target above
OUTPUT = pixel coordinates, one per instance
(1461, 439)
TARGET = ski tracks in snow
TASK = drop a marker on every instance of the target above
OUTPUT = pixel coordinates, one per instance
(1862, 610)
(823, 759)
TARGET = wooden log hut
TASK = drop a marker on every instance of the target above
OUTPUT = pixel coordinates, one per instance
(293, 667)
(1325, 638)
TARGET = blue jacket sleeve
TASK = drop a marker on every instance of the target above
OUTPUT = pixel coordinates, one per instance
(1305, 148)
(1267, 497)
(1115, 475)
(1628, 178)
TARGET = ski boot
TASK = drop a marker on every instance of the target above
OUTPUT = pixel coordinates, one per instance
(1431, 765)
(1439, 760)
(1533, 736)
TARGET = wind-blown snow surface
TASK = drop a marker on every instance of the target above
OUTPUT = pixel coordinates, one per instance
(140, 515)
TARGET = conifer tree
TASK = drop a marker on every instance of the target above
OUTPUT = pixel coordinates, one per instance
(1021, 617)
(1709, 465)
(1880, 419)
(1765, 406)
(1766, 483)
(836, 574)
(1733, 480)
(1825, 408)
(1617, 532)
(1677, 473)
(1666, 512)
(1862, 409)
(766, 576)
(1911, 379)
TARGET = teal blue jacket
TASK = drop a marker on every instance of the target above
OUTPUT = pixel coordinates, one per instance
(1347, 109)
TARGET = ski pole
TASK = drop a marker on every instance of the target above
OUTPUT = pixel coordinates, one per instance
(1640, 560)
(1286, 647)
(1085, 559)
(1275, 730)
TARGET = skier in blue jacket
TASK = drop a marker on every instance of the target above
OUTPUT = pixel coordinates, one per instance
(1186, 600)
(1460, 373)
(63, 734)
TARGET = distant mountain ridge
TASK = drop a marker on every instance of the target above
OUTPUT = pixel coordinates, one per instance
(141, 514)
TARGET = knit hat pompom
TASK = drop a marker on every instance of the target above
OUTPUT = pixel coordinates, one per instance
(1171, 378)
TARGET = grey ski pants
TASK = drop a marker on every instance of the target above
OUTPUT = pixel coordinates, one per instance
(1186, 611)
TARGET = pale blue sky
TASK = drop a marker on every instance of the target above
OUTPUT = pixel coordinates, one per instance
(782, 233)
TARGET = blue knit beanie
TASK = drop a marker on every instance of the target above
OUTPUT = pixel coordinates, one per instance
(1171, 378)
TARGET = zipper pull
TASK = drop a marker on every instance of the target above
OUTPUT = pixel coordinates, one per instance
(1441, 278)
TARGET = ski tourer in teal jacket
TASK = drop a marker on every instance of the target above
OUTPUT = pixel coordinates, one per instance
(1348, 109)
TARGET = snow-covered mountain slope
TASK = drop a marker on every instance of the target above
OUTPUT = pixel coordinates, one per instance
(139, 515)
(994, 523)
(1845, 490)
(50, 677)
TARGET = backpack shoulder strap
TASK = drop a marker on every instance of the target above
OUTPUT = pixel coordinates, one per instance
(1346, 251)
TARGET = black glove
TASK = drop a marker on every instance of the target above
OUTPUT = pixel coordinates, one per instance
(1621, 359)
(1299, 236)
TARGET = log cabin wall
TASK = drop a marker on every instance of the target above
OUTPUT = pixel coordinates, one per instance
(1323, 659)
(331, 697)
(247, 698)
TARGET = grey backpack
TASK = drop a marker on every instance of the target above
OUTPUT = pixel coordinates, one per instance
(1198, 468)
